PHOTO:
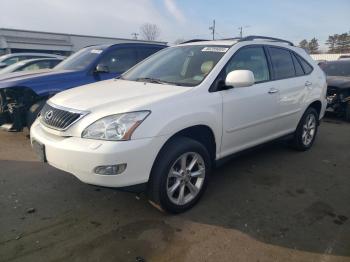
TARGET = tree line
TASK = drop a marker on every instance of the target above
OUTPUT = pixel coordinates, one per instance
(337, 43)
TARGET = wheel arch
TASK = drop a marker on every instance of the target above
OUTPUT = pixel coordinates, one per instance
(317, 105)
(200, 133)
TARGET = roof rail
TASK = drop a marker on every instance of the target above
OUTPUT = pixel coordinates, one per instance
(253, 37)
(194, 40)
(231, 38)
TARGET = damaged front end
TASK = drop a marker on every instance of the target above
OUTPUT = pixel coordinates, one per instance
(338, 99)
(14, 104)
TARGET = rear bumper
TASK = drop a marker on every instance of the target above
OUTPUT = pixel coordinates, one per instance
(80, 156)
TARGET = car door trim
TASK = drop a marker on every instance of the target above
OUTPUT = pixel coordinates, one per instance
(268, 119)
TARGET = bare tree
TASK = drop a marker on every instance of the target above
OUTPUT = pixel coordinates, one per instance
(150, 31)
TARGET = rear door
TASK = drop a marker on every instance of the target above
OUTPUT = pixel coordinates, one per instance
(290, 81)
(249, 113)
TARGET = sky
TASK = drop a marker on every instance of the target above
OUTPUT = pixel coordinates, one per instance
(181, 19)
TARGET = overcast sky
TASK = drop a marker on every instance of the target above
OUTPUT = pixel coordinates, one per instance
(293, 20)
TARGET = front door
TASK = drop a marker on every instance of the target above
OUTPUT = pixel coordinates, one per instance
(249, 113)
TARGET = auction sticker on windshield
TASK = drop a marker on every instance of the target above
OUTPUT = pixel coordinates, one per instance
(215, 49)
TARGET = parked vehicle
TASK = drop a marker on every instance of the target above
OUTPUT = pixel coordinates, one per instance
(23, 95)
(10, 59)
(167, 121)
(31, 64)
(338, 80)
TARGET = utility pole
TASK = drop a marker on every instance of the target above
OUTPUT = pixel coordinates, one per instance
(135, 35)
(240, 31)
(212, 29)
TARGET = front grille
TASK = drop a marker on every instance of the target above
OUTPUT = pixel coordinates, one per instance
(58, 118)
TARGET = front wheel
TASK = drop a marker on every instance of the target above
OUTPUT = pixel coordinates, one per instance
(305, 134)
(180, 175)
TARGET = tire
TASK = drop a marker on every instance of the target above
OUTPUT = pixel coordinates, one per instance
(33, 112)
(305, 134)
(347, 111)
(162, 180)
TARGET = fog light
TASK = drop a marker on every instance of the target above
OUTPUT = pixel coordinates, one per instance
(110, 170)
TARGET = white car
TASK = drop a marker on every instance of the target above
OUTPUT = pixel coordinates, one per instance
(167, 120)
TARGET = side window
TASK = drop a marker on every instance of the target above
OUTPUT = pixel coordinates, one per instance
(21, 58)
(53, 63)
(36, 66)
(250, 58)
(298, 69)
(12, 60)
(282, 63)
(307, 67)
(119, 60)
(146, 52)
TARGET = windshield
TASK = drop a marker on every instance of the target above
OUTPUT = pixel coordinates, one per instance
(81, 59)
(339, 68)
(11, 68)
(180, 65)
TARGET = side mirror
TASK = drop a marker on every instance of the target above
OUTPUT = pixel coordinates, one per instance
(240, 78)
(100, 68)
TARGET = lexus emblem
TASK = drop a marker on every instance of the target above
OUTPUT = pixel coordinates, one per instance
(48, 115)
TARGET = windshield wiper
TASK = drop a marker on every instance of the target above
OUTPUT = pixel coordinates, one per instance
(150, 80)
(157, 81)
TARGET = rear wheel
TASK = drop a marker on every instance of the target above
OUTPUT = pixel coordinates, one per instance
(305, 134)
(33, 112)
(180, 175)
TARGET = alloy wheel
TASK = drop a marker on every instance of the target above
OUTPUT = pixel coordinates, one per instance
(185, 178)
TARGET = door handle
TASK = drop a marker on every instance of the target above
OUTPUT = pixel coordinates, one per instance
(273, 91)
(308, 83)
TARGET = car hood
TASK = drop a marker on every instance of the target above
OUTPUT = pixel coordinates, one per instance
(116, 96)
(338, 81)
(22, 78)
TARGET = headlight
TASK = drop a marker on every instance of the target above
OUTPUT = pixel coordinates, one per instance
(115, 127)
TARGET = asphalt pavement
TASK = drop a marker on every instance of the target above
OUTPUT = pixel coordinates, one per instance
(268, 204)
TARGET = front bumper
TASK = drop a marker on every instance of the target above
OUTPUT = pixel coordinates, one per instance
(80, 156)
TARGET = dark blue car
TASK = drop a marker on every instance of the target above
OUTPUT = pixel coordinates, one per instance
(22, 95)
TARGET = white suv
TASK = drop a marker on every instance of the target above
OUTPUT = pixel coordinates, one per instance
(167, 120)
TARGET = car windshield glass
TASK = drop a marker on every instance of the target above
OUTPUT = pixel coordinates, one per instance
(186, 65)
(80, 60)
(340, 68)
(12, 68)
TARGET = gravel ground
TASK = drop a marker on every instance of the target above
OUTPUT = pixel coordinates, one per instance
(269, 204)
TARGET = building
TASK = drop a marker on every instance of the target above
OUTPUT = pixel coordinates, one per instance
(14, 41)
(329, 57)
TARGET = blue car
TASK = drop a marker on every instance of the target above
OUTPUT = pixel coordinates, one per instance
(23, 94)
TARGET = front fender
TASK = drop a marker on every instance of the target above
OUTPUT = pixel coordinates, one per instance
(169, 119)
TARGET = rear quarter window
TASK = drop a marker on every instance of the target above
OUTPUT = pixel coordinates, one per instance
(306, 66)
(298, 68)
